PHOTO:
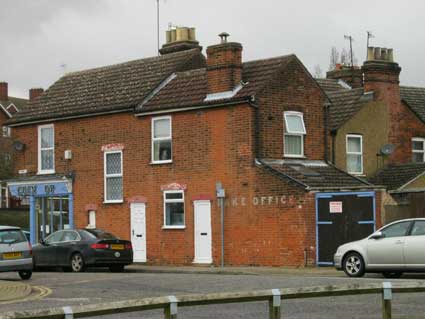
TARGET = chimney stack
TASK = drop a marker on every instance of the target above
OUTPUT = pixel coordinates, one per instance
(179, 39)
(35, 92)
(224, 65)
(352, 76)
(4, 94)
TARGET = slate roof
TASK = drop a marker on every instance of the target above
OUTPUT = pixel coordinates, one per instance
(111, 88)
(415, 99)
(395, 176)
(190, 88)
(21, 104)
(314, 175)
(330, 85)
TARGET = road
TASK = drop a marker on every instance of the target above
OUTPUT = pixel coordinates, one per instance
(68, 289)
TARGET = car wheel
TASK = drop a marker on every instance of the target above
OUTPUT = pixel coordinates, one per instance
(25, 274)
(77, 263)
(354, 265)
(116, 268)
(392, 274)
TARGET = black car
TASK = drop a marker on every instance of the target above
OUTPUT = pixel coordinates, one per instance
(74, 250)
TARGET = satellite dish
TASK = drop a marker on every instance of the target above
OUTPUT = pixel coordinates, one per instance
(18, 146)
(387, 149)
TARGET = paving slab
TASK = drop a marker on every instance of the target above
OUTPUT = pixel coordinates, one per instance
(12, 290)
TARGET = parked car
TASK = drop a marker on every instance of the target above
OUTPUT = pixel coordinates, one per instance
(392, 250)
(74, 250)
(15, 252)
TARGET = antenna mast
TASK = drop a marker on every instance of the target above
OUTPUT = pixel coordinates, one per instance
(350, 38)
(157, 24)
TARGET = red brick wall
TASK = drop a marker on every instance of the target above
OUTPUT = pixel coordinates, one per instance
(292, 90)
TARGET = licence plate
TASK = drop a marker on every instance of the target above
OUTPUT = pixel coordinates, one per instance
(117, 247)
(13, 255)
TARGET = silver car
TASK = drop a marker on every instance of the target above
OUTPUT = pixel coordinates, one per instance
(15, 252)
(395, 248)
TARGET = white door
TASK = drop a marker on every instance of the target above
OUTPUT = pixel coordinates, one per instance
(203, 247)
(138, 231)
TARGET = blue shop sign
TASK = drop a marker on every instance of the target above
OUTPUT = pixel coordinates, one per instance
(39, 189)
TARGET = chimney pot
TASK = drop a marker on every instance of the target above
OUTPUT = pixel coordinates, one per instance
(35, 92)
(4, 94)
(179, 39)
(377, 54)
(370, 53)
(223, 36)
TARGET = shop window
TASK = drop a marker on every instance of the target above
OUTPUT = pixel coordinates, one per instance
(418, 150)
(354, 154)
(113, 177)
(294, 134)
(161, 140)
(174, 209)
(46, 149)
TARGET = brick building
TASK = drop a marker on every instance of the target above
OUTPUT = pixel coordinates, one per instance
(143, 148)
(377, 131)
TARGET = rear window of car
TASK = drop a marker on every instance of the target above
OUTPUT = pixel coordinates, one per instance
(12, 236)
(100, 234)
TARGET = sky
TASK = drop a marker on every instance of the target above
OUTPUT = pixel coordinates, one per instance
(43, 39)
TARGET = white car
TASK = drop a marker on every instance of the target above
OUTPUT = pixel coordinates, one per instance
(395, 248)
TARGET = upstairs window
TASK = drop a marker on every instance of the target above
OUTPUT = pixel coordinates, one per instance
(46, 149)
(161, 140)
(113, 177)
(174, 209)
(418, 150)
(354, 154)
(294, 134)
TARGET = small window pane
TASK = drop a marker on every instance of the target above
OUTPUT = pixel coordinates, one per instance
(396, 230)
(294, 124)
(418, 157)
(293, 145)
(162, 128)
(354, 144)
(113, 163)
(419, 228)
(114, 188)
(418, 145)
(162, 150)
(47, 159)
(354, 163)
(46, 137)
(173, 195)
(174, 214)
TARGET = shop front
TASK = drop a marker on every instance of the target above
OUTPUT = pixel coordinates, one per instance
(50, 204)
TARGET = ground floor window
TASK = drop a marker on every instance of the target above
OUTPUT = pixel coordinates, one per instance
(174, 209)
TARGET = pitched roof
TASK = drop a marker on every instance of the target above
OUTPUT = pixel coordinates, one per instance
(331, 85)
(111, 88)
(415, 99)
(190, 88)
(314, 175)
(19, 103)
(395, 176)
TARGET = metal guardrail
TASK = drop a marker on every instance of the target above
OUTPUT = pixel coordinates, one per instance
(170, 304)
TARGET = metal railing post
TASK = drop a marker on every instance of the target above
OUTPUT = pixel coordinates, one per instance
(274, 305)
(387, 296)
(170, 312)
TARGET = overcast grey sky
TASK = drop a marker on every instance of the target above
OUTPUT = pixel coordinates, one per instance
(38, 36)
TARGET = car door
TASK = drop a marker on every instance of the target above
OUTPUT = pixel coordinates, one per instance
(45, 252)
(387, 251)
(66, 246)
(414, 246)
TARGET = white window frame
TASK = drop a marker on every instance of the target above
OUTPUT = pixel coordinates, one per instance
(106, 176)
(153, 139)
(419, 139)
(165, 226)
(45, 171)
(6, 131)
(301, 134)
(354, 153)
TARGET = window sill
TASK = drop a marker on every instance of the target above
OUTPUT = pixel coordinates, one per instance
(114, 202)
(46, 172)
(161, 162)
(357, 174)
(295, 156)
(173, 227)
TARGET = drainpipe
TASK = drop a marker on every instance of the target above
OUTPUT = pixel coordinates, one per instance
(221, 195)
(326, 107)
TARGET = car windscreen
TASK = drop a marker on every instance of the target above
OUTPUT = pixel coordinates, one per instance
(100, 234)
(12, 236)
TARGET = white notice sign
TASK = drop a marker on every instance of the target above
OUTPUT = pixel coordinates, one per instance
(335, 207)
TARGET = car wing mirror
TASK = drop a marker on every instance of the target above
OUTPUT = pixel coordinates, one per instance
(377, 235)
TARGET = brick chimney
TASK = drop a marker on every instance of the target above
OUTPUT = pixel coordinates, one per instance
(4, 94)
(352, 76)
(35, 92)
(180, 39)
(224, 65)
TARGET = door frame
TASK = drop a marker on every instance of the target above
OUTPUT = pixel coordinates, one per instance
(131, 232)
(330, 195)
(196, 259)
